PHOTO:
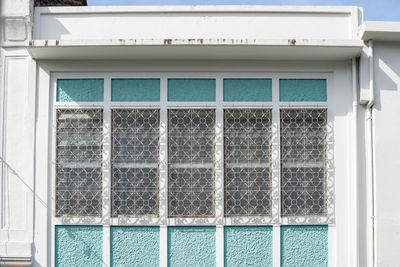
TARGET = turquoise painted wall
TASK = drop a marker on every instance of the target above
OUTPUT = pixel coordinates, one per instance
(304, 246)
(135, 90)
(191, 246)
(248, 246)
(80, 90)
(78, 246)
(135, 246)
(199, 90)
(247, 90)
(302, 90)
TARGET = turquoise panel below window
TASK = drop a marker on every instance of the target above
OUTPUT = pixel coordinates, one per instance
(191, 246)
(312, 90)
(248, 246)
(304, 246)
(135, 90)
(247, 90)
(135, 246)
(79, 246)
(80, 90)
(200, 90)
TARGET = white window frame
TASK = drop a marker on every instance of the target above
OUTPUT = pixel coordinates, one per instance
(275, 220)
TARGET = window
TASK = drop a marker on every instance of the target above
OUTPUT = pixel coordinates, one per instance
(247, 144)
(169, 160)
(79, 162)
(303, 161)
(135, 162)
(191, 135)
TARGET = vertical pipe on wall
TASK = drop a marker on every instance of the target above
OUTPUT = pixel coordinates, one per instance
(355, 162)
(370, 165)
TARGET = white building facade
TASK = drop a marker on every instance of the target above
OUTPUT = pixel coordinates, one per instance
(198, 136)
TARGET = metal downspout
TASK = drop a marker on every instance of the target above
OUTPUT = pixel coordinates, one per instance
(370, 163)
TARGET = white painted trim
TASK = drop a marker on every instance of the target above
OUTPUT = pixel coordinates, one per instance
(106, 173)
(52, 168)
(276, 245)
(219, 251)
(163, 184)
(219, 154)
(331, 246)
(276, 154)
(106, 245)
(106, 150)
(195, 9)
(163, 246)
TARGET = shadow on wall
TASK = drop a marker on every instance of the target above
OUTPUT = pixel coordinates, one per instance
(387, 69)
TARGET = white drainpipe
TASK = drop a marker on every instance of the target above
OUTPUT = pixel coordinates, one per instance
(370, 165)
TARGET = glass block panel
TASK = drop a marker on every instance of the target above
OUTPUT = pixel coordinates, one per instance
(247, 144)
(191, 144)
(191, 90)
(135, 135)
(135, 90)
(248, 90)
(80, 90)
(304, 245)
(299, 90)
(78, 246)
(303, 161)
(193, 246)
(79, 162)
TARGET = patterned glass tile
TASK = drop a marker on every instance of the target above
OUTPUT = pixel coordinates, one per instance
(135, 134)
(247, 144)
(303, 161)
(191, 144)
(79, 162)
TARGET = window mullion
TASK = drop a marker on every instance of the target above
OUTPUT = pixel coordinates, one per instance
(106, 183)
(163, 173)
(275, 154)
(276, 173)
(219, 174)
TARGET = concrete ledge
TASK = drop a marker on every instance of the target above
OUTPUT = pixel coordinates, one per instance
(255, 49)
(380, 31)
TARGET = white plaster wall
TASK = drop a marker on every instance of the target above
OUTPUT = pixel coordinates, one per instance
(387, 147)
(17, 146)
(212, 22)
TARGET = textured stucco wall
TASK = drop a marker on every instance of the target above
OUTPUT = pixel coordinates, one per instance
(135, 246)
(304, 246)
(247, 89)
(191, 246)
(135, 90)
(302, 90)
(191, 90)
(78, 246)
(248, 246)
(80, 90)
